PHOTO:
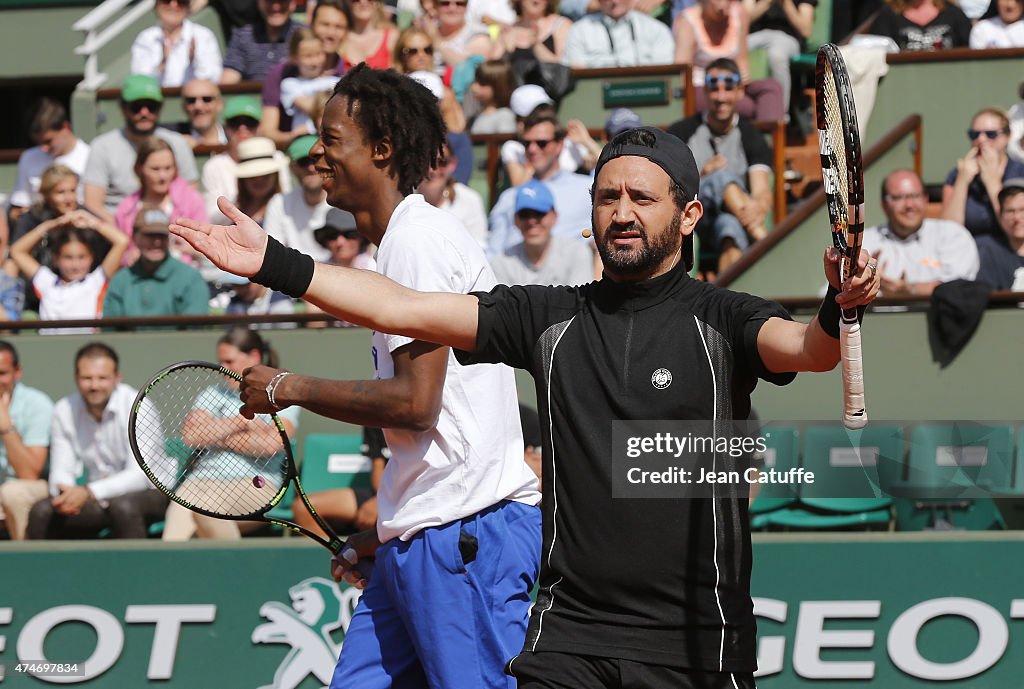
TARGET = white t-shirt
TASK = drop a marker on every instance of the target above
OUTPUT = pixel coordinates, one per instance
(194, 55)
(60, 300)
(30, 171)
(291, 221)
(473, 457)
(995, 33)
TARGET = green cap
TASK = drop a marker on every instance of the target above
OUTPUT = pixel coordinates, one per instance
(243, 106)
(141, 87)
(301, 146)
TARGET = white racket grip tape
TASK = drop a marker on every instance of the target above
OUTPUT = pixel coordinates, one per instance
(349, 553)
(855, 414)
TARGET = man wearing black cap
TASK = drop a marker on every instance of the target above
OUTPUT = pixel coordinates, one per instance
(633, 592)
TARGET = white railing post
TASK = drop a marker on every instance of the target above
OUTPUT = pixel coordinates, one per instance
(100, 26)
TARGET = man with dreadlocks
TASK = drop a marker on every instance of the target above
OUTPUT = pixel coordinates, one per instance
(457, 542)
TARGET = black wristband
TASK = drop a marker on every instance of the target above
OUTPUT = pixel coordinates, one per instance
(285, 270)
(830, 313)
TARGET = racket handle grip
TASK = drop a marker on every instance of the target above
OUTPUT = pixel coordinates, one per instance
(855, 413)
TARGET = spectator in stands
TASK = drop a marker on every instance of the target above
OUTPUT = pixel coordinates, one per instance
(50, 129)
(202, 103)
(256, 48)
(442, 190)
(915, 254)
(292, 218)
(109, 174)
(618, 36)
(492, 91)
(540, 32)
(349, 509)
(923, 24)
(57, 189)
(75, 286)
(527, 100)
(716, 29)
(250, 299)
(95, 482)
(25, 416)
(454, 37)
(1002, 263)
(157, 284)
(237, 349)
(488, 13)
(414, 51)
(176, 50)
(543, 139)
(781, 27)
(372, 36)
(1001, 28)
(619, 120)
(160, 186)
(220, 173)
(540, 259)
(298, 92)
(258, 173)
(735, 165)
(347, 248)
(331, 21)
(970, 195)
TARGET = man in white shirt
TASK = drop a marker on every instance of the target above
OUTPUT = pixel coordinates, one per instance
(292, 217)
(457, 543)
(95, 482)
(55, 143)
(541, 259)
(618, 36)
(201, 100)
(176, 50)
(242, 116)
(916, 254)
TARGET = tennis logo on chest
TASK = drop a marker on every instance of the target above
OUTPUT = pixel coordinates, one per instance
(661, 378)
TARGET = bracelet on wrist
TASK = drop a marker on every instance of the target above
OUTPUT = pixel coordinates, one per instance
(272, 388)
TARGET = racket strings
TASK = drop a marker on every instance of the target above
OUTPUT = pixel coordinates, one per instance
(201, 452)
(834, 125)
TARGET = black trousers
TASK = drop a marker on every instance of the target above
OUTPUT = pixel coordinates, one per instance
(568, 671)
(128, 516)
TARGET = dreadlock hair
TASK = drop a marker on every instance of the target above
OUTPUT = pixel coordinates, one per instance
(389, 105)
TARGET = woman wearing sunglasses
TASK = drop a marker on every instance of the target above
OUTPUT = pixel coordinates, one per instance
(971, 193)
(176, 50)
(714, 29)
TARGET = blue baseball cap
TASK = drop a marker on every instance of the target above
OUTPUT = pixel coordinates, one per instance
(534, 196)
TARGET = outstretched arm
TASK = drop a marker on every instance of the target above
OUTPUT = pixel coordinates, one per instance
(358, 296)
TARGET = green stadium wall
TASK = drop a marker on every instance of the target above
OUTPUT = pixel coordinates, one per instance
(877, 612)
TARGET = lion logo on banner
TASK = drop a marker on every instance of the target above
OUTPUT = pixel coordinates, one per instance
(317, 609)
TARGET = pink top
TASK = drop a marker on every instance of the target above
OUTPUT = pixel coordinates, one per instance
(706, 51)
(186, 203)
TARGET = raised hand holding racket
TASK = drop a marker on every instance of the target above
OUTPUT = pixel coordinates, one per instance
(843, 180)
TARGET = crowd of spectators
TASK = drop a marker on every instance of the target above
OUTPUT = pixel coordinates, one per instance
(496, 68)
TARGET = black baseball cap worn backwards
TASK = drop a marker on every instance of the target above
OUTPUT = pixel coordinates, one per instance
(671, 154)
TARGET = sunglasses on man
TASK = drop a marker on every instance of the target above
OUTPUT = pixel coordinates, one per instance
(992, 134)
(239, 122)
(137, 106)
(192, 100)
(729, 81)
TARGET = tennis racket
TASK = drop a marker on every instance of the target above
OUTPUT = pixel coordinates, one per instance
(187, 435)
(843, 179)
